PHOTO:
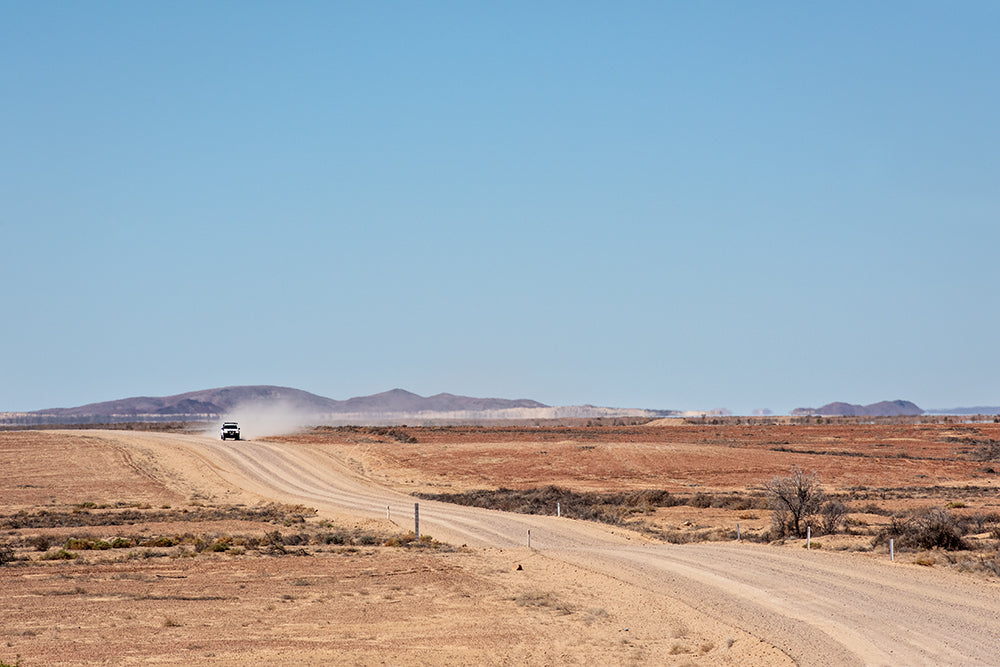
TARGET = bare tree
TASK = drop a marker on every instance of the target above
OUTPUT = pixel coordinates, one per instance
(794, 500)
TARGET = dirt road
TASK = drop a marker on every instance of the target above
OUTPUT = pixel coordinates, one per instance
(818, 608)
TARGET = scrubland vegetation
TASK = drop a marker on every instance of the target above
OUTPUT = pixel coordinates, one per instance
(138, 534)
(796, 502)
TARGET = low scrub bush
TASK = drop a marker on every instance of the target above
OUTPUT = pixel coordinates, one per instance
(6, 553)
(221, 544)
(832, 515)
(611, 508)
(926, 529)
(86, 544)
(82, 516)
(39, 542)
(161, 541)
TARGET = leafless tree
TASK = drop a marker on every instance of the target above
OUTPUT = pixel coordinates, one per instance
(794, 500)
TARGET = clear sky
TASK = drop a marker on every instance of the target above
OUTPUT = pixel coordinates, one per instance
(676, 205)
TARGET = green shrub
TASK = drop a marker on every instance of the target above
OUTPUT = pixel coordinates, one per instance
(62, 554)
(162, 541)
(221, 544)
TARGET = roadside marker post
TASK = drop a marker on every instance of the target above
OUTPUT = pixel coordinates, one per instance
(529, 538)
(892, 550)
(416, 520)
(738, 537)
(558, 509)
(809, 532)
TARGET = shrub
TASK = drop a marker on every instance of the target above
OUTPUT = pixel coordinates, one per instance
(832, 513)
(339, 537)
(928, 529)
(162, 541)
(794, 500)
(62, 554)
(221, 544)
(39, 542)
(6, 553)
(701, 501)
(77, 543)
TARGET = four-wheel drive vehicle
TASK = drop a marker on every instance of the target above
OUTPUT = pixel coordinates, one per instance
(231, 430)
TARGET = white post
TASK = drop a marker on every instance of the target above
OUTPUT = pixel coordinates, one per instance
(558, 509)
(808, 536)
(387, 513)
(416, 520)
(892, 550)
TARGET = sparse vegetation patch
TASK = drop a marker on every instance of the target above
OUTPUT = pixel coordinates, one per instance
(89, 514)
(612, 508)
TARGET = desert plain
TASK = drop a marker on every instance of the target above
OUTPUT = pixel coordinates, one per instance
(171, 547)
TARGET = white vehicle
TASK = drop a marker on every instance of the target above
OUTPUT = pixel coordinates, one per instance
(231, 430)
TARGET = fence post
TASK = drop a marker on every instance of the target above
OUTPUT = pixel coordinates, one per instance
(416, 520)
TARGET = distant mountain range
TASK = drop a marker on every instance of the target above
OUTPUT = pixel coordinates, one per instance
(890, 409)
(225, 402)
(293, 406)
(880, 409)
(979, 410)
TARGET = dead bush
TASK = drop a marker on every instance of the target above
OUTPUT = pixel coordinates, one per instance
(832, 514)
(794, 500)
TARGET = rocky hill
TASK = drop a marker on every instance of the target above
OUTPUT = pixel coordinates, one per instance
(880, 409)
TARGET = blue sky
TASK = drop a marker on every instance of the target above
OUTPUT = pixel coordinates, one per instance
(667, 205)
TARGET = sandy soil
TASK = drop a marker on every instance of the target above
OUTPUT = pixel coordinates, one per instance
(582, 594)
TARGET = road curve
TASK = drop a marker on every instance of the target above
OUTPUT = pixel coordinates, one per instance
(818, 608)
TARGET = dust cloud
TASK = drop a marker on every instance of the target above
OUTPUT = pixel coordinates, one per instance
(258, 420)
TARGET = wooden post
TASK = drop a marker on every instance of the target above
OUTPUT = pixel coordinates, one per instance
(416, 520)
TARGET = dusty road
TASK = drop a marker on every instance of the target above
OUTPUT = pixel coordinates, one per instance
(818, 608)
